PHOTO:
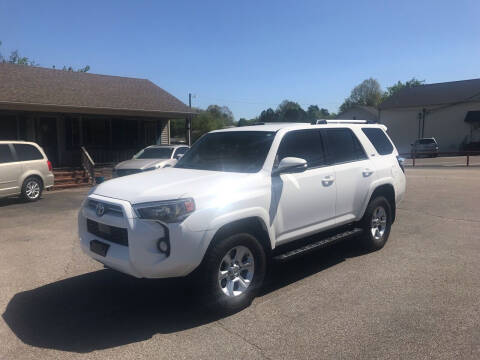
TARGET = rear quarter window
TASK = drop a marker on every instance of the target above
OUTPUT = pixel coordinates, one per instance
(26, 152)
(379, 140)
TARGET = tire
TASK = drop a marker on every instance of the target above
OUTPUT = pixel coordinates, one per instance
(223, 285)
(376, 223)
(32, 189)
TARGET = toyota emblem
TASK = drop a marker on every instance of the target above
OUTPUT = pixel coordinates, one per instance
(100, 209)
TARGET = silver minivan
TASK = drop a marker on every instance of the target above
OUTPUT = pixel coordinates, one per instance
(24, 170)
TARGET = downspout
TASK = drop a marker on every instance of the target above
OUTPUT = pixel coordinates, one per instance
(424, 113)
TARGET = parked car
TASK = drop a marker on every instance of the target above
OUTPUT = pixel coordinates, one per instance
(151, 158)
(425, 147)
(240, 196)
(24, 170)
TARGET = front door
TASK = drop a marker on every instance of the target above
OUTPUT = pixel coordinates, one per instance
(306, 200)
(47, 137)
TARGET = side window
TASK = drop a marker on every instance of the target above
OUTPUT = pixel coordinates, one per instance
(27, 152)
(5, 154)
(379, 140)
(180, 151)
(304, 144)
(343, 146)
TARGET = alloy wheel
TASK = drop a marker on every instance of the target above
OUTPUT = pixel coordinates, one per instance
(236, 271)
(378, 223)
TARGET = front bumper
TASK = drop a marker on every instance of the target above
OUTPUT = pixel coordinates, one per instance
(141, 258)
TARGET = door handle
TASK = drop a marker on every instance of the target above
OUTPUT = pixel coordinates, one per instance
(367, 172)
(328, 180)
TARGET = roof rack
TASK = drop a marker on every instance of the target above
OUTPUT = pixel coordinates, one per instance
(335, 121)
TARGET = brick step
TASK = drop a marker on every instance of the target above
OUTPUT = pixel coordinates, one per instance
(72, 180)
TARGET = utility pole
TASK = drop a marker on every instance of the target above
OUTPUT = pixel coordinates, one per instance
(188, 122)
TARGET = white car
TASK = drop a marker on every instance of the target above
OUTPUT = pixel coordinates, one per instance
(151, 158)
(240, 196)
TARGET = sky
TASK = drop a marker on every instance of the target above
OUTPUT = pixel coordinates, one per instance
(251, 55)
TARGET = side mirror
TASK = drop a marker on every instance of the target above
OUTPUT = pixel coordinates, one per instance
(290, 165)
(179, 156)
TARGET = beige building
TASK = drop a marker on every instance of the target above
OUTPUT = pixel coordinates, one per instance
(449, 112)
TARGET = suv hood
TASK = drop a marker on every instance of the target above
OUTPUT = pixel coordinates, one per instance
(140, 164)
(167, 184)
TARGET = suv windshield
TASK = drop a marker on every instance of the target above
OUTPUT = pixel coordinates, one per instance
(235, 151)
(154, 153)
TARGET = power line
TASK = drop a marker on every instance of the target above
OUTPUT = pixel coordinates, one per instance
(265, 103)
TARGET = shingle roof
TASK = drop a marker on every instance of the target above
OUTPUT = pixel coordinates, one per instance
(60, 90)
(435, 94)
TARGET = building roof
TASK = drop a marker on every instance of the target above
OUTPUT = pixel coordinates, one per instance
(435, 94)
(41, 89)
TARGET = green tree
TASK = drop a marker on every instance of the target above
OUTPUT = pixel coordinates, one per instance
(368, 93)
(392, 90)
(290, 111)
(213, 118)
(242, 122)
(315, 113)
(268, 115)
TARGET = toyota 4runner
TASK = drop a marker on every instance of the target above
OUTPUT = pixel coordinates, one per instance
(242, 196)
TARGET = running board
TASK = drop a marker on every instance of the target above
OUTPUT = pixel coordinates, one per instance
(318, 244)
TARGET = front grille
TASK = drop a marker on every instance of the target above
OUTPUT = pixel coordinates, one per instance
(111, 233)
(125, 172)
(109, 208)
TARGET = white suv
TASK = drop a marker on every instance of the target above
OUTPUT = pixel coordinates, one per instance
(241, 196)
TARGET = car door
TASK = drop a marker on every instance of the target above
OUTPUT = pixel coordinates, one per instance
(10, 171)
(354, 172)
(305, 201)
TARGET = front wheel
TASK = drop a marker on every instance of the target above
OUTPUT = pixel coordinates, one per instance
(376, 223)
(232, 272)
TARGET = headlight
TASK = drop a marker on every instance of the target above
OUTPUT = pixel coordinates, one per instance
(170, 211)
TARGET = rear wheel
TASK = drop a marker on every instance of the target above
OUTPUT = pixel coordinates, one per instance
(376, 223)
(232, 272)
(32, 188)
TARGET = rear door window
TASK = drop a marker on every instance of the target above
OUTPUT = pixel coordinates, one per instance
(379, 140)
(6, 155)
(27, 152)
(303, 144)
(343, 146)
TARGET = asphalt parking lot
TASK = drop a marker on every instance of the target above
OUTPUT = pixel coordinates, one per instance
(416, 298)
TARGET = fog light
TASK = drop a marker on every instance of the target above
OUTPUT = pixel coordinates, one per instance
(163, 246)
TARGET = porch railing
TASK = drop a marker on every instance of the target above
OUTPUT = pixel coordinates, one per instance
(88, 164)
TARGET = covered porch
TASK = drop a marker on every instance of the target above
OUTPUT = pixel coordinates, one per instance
(108, 139)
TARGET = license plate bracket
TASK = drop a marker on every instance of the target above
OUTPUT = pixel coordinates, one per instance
(99, 247)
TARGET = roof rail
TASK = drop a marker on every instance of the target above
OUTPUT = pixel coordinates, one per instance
(335, 121)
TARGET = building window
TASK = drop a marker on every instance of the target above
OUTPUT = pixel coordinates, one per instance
(95, 132)
(8, 127)
(72, 132)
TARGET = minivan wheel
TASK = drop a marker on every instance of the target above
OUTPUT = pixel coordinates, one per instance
(376, 223)
(232, 273)
(32, 189)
